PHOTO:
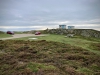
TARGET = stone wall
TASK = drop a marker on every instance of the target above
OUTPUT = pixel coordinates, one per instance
(82, 32)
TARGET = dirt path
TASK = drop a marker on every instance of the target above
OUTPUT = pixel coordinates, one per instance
(21, 35)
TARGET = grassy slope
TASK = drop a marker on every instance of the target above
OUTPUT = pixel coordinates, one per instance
(4, 35)
(76, 41)
(18, 57)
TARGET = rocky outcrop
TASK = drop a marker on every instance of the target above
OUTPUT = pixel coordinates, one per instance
(88, 33)
(82, 32)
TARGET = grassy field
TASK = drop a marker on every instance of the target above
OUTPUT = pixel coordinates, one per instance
(19, 57)
(5, 35)
(50, 55)
(75, 41)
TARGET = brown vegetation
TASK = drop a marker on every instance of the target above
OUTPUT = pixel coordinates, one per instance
(19, 57)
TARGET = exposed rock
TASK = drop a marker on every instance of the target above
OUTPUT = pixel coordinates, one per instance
(70, 35)
(82, 32)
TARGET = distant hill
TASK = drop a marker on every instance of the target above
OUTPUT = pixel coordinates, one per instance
(1, 32)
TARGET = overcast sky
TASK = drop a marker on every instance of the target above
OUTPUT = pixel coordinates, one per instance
(41, 14)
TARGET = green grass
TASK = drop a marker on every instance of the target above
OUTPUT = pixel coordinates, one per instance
(75, 41)
(5, 35)
(85, 71)
(36, 66)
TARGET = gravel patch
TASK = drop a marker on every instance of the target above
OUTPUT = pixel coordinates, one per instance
(22, 35)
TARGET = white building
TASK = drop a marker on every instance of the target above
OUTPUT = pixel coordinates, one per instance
(62, 26)
(71, 27)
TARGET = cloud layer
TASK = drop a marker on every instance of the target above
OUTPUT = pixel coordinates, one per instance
(41, 14)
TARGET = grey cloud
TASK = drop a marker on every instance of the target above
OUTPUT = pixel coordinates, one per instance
(48, 12)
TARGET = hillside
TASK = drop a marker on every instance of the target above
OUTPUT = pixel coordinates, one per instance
(18, 57)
